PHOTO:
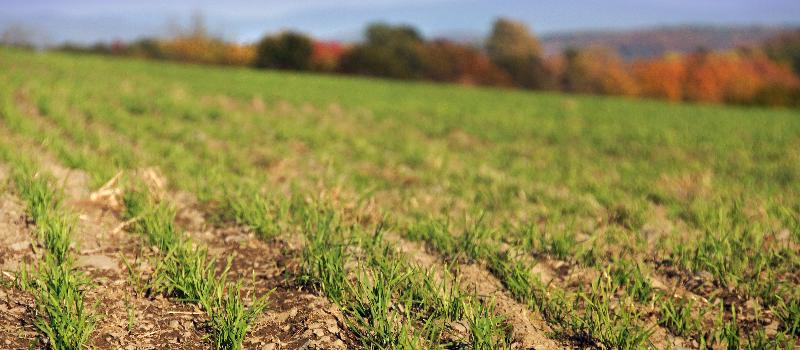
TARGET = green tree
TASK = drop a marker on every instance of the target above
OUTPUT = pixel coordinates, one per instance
(289, 50)
(146, 47)
(512, 47)
(785, 48)
(389, 51)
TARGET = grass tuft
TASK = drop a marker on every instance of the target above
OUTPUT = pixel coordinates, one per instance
(57, 287)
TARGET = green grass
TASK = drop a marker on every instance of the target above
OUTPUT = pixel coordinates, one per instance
(624, 188)
(185, 270)
(676, 315)
(629, 275)
(789, 314)
(58, 290)
(245, 206)
(230, 316)
(484, 325)
(63, 318)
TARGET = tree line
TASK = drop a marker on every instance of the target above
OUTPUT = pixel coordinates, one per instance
(511, 56)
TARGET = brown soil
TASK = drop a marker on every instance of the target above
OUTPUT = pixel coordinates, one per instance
(17, 330)
(126, 320)
(295, 318)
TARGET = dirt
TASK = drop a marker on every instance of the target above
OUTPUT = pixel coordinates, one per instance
(126, 319)
(296, 318)
(131, 319)
(706, 294)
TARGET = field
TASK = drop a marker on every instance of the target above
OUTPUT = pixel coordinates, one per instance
(149, 205)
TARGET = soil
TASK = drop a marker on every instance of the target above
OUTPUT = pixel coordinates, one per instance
(296, 318)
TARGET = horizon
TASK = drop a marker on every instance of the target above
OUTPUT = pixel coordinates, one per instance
(91, 21)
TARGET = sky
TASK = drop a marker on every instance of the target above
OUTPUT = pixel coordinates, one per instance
(86, 21)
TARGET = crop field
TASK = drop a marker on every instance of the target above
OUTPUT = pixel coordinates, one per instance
(158, 206)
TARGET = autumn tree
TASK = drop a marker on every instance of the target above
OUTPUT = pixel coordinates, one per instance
(193, 43)
(757, 78)
(288, 50)
(512, 47)
(452, 62)
(719, 77)
(742, 76)
(596, 71)
(239, 55)
(326, 55)
(661, 77)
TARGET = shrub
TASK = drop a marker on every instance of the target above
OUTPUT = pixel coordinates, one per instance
(289, 50)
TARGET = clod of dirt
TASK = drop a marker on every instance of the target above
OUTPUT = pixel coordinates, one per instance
(20, 246)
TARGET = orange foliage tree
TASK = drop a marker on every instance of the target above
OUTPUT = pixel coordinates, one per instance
(597, 71)
(734, 77)
(661, 77)
(195, 44)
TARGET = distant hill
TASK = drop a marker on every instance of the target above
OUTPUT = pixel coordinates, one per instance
(649, 42)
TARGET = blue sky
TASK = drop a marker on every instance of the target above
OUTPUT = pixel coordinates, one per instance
(92, 20)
